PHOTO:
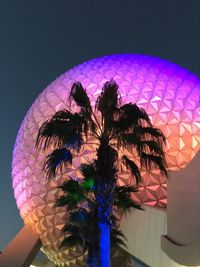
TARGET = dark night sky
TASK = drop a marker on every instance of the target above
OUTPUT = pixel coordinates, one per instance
(39, 40)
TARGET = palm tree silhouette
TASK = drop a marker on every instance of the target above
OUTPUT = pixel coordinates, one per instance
(82, 223)
(115, 127)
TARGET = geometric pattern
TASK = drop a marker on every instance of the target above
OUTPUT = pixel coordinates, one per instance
(168, 93)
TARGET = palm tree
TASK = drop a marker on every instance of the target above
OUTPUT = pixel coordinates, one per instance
(126, 126)
(82, 223)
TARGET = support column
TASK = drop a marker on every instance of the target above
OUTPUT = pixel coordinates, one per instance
(21, 251)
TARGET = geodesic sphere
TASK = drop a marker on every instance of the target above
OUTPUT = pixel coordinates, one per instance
(168, 93)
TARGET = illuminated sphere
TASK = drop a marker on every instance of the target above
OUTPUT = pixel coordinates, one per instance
(168, 93)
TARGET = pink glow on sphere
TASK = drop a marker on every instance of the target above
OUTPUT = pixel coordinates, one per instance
(168, 93)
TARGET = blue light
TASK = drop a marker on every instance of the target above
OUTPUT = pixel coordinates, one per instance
(104, 244)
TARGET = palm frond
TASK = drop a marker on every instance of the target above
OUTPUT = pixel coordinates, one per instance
(151, 147)
(84, 237)
(123, 199)
(150, 133)
(74, 194)
(126, 190)
(70, 228)
(79, 95)
(45, 133)
(133, 168)
(108, 99)
(83, 223)
(54, 127)
(88, 183)
(150, 162)
(70, 241)
(117, 238)
(70, 186)
(129, 139)
(57, 159)
(130, 116)
(71, 201)
(89, 173)
(74, 237)
(62, 115)
(145, 116)
(78, 217)
(88, 170)
(126, 204)
(63, 129)
(91, 203)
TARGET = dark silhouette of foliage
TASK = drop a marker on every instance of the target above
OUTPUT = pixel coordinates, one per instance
(91, 202)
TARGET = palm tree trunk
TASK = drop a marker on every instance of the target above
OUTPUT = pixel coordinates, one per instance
(104, 212)
(95, 259)
(104, 229)
(92, 258)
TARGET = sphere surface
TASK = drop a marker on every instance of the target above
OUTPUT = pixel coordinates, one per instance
(168, 93)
